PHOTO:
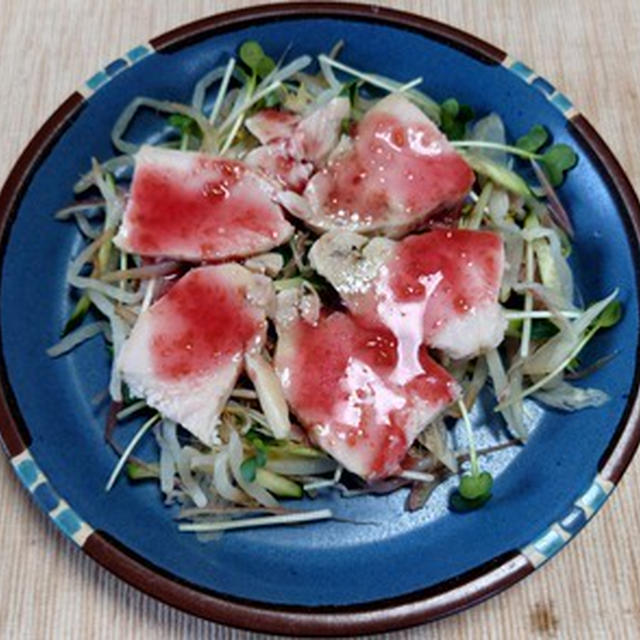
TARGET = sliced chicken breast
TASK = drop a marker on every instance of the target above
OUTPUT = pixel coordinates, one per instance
(268, 125)
(293, 146)
(399, 173)
(440, 288)
(194, 207)
(186, 351)
(355, 394)
(280, 161)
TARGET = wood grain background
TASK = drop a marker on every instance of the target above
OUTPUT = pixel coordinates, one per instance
(588, 48)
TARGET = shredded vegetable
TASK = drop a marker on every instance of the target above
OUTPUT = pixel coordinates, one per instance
(262, 455)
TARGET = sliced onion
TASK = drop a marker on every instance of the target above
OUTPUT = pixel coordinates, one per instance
(222, 481)
(327, 71)
(118, 166)
(123, 122)
(191, 486)
(434, 438)
(107, 290)
(491, 129)
(70, 211)
(201, 87)
(498, 206)
(167, 464)
(566, 397)
(502, 388)
(119, 331)
(553, 352)
(87, 253)
(554, 269)
(270, 394)
(77, 337)
(563, 270)
(114, 208)
(513, 258)
(550, 298)
(141, 273)
(86, 228)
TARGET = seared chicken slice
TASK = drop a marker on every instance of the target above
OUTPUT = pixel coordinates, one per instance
(353, 391)
(399, 173)
(439, 287)
(187, 350)
(268, 125)
(291, 145)
(279, 160)
(195, 207)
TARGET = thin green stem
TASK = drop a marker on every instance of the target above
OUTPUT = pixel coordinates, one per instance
(516, 151)
(391, 87)
(473, 455)
(130, 447)
(222, 91)
(514, 314)
(528, 302)
(550, 376)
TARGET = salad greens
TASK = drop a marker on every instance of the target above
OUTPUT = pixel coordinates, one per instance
(219, 486)
(454, 118)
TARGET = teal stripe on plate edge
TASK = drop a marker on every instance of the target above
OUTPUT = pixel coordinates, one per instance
(66, 519)
(102, 77)
(558, 534)
(555, 97)
(537, 552)
(550, 541)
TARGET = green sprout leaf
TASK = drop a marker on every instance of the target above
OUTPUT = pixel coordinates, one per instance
(454, 118)
(473, 487)
(261, 457)
(265, 66)
(261, 449)
(350, 90)
(451, 107)
(77, 315)
(248, 469)
(610, 315)
(256, 59)
(460, 504)
(186, 125)
(272, 99)
(557, 161)
(251, 54)
(543, 329)
(257, 439)
(534, 140)
(137, 471)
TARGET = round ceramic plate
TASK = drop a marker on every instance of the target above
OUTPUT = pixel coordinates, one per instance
(393, 568)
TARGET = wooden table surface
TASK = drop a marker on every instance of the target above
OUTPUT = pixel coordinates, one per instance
(590, 49)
